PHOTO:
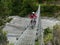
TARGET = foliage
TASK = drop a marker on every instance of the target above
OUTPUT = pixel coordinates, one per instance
(47, 35)
(4, 13)
(56, 27)
(27, 8)
(46, 1)
(56, 33)
(17, 7)
(47, 30)
(3, 21)
(49, 10)
(3, 38)
(8, 20)
(24, 7)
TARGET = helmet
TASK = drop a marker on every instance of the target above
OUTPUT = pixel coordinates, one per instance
(33, 12)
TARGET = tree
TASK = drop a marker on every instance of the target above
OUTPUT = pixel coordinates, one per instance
(16, 6)
(50, 10)
(27, 7)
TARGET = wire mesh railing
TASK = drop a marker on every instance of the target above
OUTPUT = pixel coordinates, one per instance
(29, 35)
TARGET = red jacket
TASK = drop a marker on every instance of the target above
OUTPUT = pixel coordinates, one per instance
(32, 16)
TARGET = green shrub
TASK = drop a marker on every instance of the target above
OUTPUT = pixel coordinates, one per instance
(48, 35)
(49, 10)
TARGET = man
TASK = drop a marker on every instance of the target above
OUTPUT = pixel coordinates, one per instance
(33, 19)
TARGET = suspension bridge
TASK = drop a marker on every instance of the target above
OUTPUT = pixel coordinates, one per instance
(29, 35)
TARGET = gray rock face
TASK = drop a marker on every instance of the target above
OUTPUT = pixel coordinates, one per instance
(18, 25)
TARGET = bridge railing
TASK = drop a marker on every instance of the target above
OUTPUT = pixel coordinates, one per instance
(29, 35)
